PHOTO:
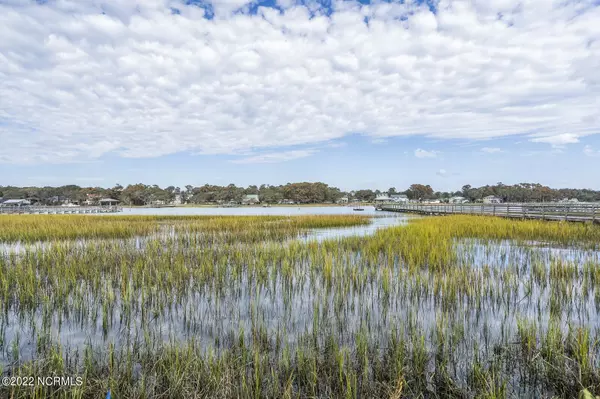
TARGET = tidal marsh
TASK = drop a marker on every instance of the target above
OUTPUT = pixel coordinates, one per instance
(457, 307)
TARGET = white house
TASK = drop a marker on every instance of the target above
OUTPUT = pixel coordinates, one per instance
(108, 202)
(399, 198)
(458, 200)
(177, 200)
(343, 200)
(382, 199)
(492, 199)
(15, 203)
(250, 199)
(92, 199)
(570, 200)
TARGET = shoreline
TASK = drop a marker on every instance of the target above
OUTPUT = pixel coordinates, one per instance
(239, 206)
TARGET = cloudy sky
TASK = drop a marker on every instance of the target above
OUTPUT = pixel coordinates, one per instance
(353, 93)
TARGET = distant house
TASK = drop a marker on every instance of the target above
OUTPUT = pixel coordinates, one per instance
(249, 199)
(57, 199)
(92, 199)
(178, 200)
(286, 202)
(108, 202)
(343, 200)
(15, 203)
(399, 198)
(382, 199)
(435, 201)
(492, 199)
(569, 200)
(458, 200)
(60, 200)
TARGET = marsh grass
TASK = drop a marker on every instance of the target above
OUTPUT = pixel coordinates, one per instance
(445, 307)
(33, 228)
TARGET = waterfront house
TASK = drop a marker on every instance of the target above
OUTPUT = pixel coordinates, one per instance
(492, 199)
(343, 200)
(380, 199)
(12, 203)
(399, 198)
(178, 200)
(458, 200)
(569, 200)
(108, 202)
(92, 199)
(250, 199)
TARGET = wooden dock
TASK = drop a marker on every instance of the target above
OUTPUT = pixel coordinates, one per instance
(583, 212)
(58, 210)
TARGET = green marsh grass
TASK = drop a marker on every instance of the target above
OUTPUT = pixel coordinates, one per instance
(229, 307)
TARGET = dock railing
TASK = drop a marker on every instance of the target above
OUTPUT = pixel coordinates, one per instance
(572, 212)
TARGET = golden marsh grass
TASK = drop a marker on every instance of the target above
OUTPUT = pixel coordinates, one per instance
(444, 307)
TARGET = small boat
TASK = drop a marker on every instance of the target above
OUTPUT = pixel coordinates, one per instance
(357, 207)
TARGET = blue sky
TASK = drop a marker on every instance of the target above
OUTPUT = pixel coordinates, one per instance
(352, 93)
(356, 162)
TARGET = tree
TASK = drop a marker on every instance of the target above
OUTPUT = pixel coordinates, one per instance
(365, 195)
(466, 191)
(419, 192)
(135, 194)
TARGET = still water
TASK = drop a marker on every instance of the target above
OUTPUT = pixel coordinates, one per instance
(253, 211)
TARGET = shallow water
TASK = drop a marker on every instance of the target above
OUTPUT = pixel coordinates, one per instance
(252, 211)
(502, 275)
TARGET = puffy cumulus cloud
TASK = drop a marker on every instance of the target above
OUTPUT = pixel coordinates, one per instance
(442, 173)
(420, 153)
(81, 79)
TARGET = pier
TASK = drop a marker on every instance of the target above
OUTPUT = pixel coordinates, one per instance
(585, 213)
(58, 210)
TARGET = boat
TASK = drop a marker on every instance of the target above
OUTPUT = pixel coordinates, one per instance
(357, 207)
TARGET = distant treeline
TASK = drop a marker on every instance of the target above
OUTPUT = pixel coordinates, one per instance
(303, 193)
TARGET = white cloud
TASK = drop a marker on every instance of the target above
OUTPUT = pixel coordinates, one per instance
(559, 140)
(276, 157)
(379, 140)
(442, 172)
(491, 150)
(590, 151)
(139, 81)
(419, 153)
